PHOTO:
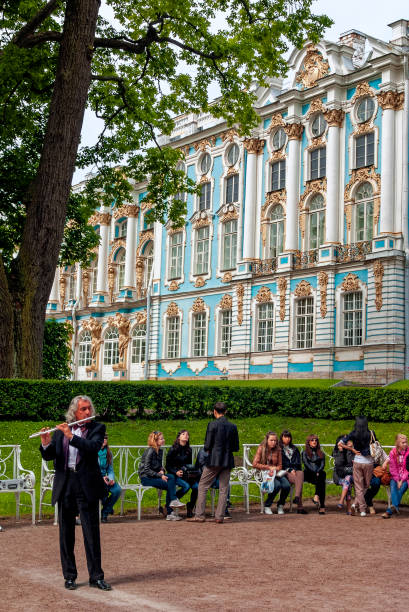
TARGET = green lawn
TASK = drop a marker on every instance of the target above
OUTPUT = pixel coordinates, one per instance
(251, 430)
(401, 384)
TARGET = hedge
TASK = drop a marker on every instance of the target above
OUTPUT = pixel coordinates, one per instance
(48, 400)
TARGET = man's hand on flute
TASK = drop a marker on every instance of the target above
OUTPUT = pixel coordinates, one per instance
(46, 437)
(66, 430)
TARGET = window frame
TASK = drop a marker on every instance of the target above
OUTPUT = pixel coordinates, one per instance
(369, 159)
(223, 348)
(357, 313)
(232, 246)
(321, 170)
(281, 175)
(263, 345)
(177, 336)
(84, 349)
(138, 340)
(201, 337)
(308, 342)
(111, 347)
(175, 256)
(203, 253)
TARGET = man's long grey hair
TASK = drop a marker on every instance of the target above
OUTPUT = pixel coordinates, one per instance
(72, 408)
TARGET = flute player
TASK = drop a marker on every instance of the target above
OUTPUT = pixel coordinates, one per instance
(78, 486)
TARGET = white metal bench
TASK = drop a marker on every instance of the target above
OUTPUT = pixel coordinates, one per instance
(15, 479)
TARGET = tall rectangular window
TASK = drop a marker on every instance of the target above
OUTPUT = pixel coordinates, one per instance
(265, 323)
(304, 322)
(352, 318)
(229, 255)
(365, 150)
(199, 335)
(202, 251)
(278, 175)
(204, 199)
(318, 158)
(232, 189)
(172, 337)
(175, 255)
(225, 331)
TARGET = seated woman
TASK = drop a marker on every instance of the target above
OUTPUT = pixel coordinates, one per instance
(314, 463)
(152, 474)
(400, 475)
(343, 460)
(178, 458)
(268, 457)
(291, 459)
(107, 470)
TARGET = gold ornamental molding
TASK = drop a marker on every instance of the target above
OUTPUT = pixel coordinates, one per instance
(348, 215)
(95, 329)
(198, 305)
(282, 287)
(303, 289)
(350, 283)
(392, 100)
(173, 286)
(86, 278)
(254, 145)
(63, 286)
(144, 239)
(232, 170)
(278, 155)
(364, 128)
(200, 282)
(202, 145)
(146, 205)
(202, 222)
(302, 223)
(204, 179)
(123, 325)
(227, 277)
(99, 218)
(229, 135)
(141, 317)
(240, 295)
(378, 271)
(118, 244)
(362, 89)
(314, 67)
(272, 199)
(317, 186)
(172, 310)
(226, 303)
(294, 131)
(323, 283)
(229, 216)
(316, 106)
(317, 143)
(127, 210)
(361, 175)
(140, 271)
(111, 281)
(334, 117)
(277, 120)
(264, 295)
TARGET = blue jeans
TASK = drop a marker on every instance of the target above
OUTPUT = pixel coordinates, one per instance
(110, 500)
(169, 486)
(185, 487)
(397, 494)
(280, 484)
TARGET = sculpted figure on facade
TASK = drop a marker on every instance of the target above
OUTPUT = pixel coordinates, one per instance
(86, 277)
(350, 283)
(378, 272)
(198, 305)
(227, 277)
(63, 286)
(282, 287)
(303, 289)
(141, 317)
(240, 295)
(392, 100)
(314, 67)
(122, 324)
(263, 295)
(172, 310)
(111, 281)
(323, 283)
(226, 303)
(140, 269)
(95, 329)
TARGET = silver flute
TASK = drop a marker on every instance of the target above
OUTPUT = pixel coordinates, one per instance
(41, 433)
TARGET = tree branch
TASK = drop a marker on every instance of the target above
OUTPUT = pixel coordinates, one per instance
(32, 40)
(32, 25)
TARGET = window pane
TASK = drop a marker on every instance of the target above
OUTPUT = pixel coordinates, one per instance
(229, 245)
(225, 332)
(202, 251)
(175, 267)
(265, 327)
(352, 315)
(199, 335)
(173, 325)
(304, 322)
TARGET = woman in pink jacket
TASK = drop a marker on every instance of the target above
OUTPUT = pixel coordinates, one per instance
(399, 473)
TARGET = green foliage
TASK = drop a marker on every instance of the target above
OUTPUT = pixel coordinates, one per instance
(38, 400)
(56, 350)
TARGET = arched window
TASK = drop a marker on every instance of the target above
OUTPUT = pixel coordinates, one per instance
(120, 275)
(138, 347)
(111, 343)
(316, 222)
(121, 228)
(84, 348)
(276, 242)
(148, 254)
(364, 212)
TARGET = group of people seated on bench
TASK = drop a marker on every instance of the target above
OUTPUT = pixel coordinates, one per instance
(281, 465)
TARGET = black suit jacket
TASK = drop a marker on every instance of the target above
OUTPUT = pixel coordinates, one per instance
(89, 472)
(222, 440)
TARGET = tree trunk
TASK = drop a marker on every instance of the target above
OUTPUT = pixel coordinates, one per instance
(33, 269)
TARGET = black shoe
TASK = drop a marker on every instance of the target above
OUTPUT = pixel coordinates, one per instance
(104, 519)
(302, 511)
(100, 584)
(189, 513)
(70, 584)
(227, 515)
(229, 505)
(296, 501)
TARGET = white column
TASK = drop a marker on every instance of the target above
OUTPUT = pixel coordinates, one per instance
(130, 253)
(78, 284)
(334, 119)
(157, 250)
(294, 133)
(388, 169)
(104, 220)
(53, 300)
(254, 147)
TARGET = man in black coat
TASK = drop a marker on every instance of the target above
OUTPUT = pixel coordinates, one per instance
(78, 486)
(222, 440)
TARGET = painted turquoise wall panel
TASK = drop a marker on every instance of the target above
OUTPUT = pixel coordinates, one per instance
(300, 367)
(310, 279)
(261, 369)
(266, 123)
(255, 289)
(361, 274)
(348, 366)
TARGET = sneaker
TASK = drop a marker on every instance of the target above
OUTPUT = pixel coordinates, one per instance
(387, 515)
(353, 510)
(363, 513)
(280, 509)
(173, 517)
(268, 510)
(176, 503)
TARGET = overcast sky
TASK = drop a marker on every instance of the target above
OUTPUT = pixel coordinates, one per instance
(368, 16)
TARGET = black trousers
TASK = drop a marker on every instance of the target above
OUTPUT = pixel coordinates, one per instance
(319, 481)
(73, 502)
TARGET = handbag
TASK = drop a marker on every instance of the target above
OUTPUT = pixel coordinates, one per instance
(267, 486)
(191, 474)
(383, 474)
(376, 450)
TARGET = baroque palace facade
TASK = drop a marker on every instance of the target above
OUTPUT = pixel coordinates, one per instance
(292, 262)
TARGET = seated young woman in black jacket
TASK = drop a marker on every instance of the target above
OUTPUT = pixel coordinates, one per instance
(343, 459)
(178, 458)
(314, 463)
(291, 463)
